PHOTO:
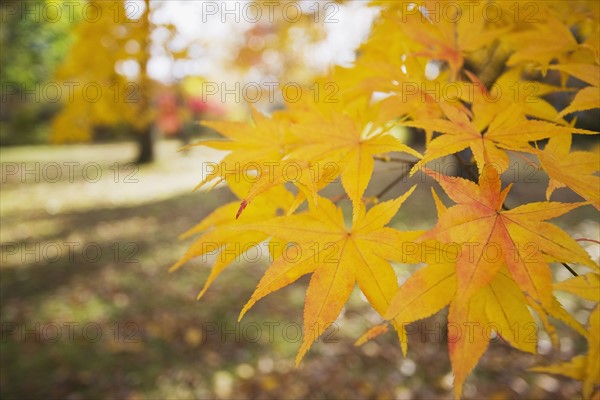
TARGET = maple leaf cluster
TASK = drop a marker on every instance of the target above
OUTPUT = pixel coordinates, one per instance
(491, 265)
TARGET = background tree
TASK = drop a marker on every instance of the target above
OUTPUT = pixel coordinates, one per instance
(109, 63)
(111, 55)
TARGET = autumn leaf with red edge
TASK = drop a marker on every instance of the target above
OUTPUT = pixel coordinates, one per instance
(487, 290)
(498, 307)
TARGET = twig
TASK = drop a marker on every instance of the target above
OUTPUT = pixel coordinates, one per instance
(587, 240)
(394, 182)
(339, 198)
(570, 269)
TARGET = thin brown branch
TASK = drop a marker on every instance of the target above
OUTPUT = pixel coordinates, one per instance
(570, 269)
(398, 179)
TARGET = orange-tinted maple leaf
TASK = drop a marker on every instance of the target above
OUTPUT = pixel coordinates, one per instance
(518, 238)
(498, 307)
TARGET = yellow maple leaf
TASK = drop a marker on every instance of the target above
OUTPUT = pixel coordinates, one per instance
(587, 98)
(508, 89)
(338, 257)
(434, 31)
(217, 239)
(337, 144)
(250, 145)
(541, 42)
(488, 140)
(575, 170)
(584, 368)
(348, 142)
(585, 286)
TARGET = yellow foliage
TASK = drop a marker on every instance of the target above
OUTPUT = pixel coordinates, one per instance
(463, 77)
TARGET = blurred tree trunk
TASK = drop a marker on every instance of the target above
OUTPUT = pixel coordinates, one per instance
(146, 142)
(145, 133)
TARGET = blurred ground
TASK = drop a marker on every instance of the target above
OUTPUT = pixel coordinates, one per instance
(88, 309)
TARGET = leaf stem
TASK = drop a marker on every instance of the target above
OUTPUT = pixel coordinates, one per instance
(570, 269)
